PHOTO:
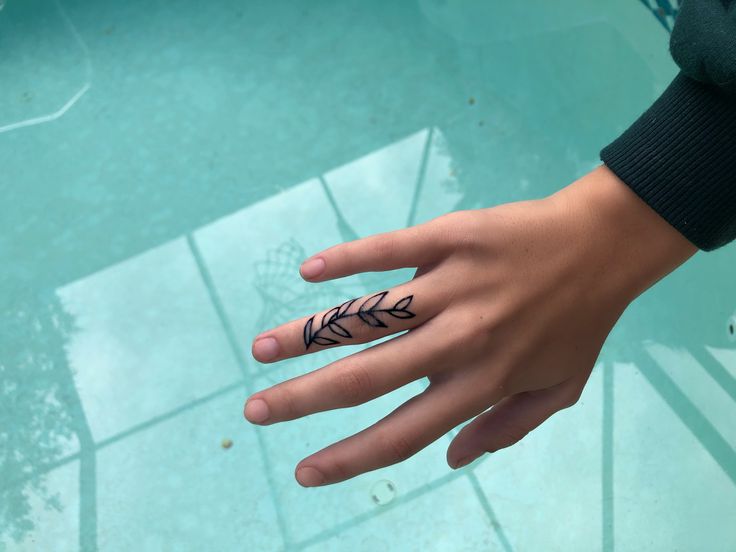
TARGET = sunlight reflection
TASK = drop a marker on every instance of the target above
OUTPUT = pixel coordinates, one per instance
(709, 397)
(30, 89)
(147, 339)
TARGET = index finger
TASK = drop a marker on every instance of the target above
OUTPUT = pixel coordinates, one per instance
(408, 247)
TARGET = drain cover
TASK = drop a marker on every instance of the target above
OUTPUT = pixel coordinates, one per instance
(383, 492)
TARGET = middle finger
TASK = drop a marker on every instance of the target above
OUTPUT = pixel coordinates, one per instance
(355, 321)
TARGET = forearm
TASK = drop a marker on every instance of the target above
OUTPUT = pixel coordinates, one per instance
(680, 155)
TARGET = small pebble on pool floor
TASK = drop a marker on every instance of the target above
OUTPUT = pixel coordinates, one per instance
(227, 443)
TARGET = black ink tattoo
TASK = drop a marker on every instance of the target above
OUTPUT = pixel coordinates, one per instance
(332, 320)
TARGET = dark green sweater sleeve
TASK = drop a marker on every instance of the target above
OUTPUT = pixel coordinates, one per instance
(680, 155)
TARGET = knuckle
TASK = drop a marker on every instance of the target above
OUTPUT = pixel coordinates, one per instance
(450, 227)
(354, 385)
(385, 246)
(345, 254)
(338, 469)
(446, 219)
(474, 333)
(459, 227)
(398, 448)
(289, 406)
(480, 331)
(360, 331)
(570, 397)
(509, 374)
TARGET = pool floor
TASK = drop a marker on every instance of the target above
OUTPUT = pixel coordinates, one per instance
(165, 168)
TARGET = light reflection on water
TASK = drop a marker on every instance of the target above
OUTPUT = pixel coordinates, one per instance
(154, 231)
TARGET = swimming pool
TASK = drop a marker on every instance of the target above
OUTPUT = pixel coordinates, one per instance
(164, 170)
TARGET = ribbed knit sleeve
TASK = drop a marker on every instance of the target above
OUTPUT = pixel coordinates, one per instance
(680, 155)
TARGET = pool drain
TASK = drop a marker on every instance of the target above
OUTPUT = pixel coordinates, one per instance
(383, 492)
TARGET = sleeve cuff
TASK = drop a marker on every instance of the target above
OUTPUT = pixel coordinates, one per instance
(680, 158)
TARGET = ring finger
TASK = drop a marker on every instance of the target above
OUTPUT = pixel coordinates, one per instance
(353, 380)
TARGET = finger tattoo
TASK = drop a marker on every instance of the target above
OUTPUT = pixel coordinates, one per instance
(332, 327)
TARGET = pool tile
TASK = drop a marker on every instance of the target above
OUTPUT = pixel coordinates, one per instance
(546, 489)
(146, 339)
(179, 474)
(662, 474)
(443, 517)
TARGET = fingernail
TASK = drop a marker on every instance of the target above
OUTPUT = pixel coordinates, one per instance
(309, 477)
(312, 268)
(462, 462)
(265, 348)
(465, 460)
(256, 411)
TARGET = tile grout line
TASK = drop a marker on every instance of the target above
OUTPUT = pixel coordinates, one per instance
(483, 499)
(716, 370)
(88, 499)
(689, 414)
(488, 509)
(126, 433)
(421, 175)
(607, 505)
(347, 232)
(480, 495)
(168, 415)
(240, 359)
(366, 516)
(87, 516)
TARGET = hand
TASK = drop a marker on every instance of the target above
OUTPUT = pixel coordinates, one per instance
(509, 309)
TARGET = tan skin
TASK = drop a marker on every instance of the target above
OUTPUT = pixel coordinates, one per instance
(512, 305)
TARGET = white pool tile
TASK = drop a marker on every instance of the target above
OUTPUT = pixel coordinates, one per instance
(176, 478)
(49, 516)
(309, 512)
(669, 492)
(691, 377)
(546, 490)
(147, 339)
(445, 517)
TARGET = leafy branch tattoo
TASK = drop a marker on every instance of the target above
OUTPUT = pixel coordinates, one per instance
(333, 320)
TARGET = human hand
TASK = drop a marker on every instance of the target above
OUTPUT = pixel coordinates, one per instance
(508, 309)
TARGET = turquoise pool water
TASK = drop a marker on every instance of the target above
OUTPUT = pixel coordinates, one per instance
(164, 169)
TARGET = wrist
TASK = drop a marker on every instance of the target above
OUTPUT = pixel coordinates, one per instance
(630, 246)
